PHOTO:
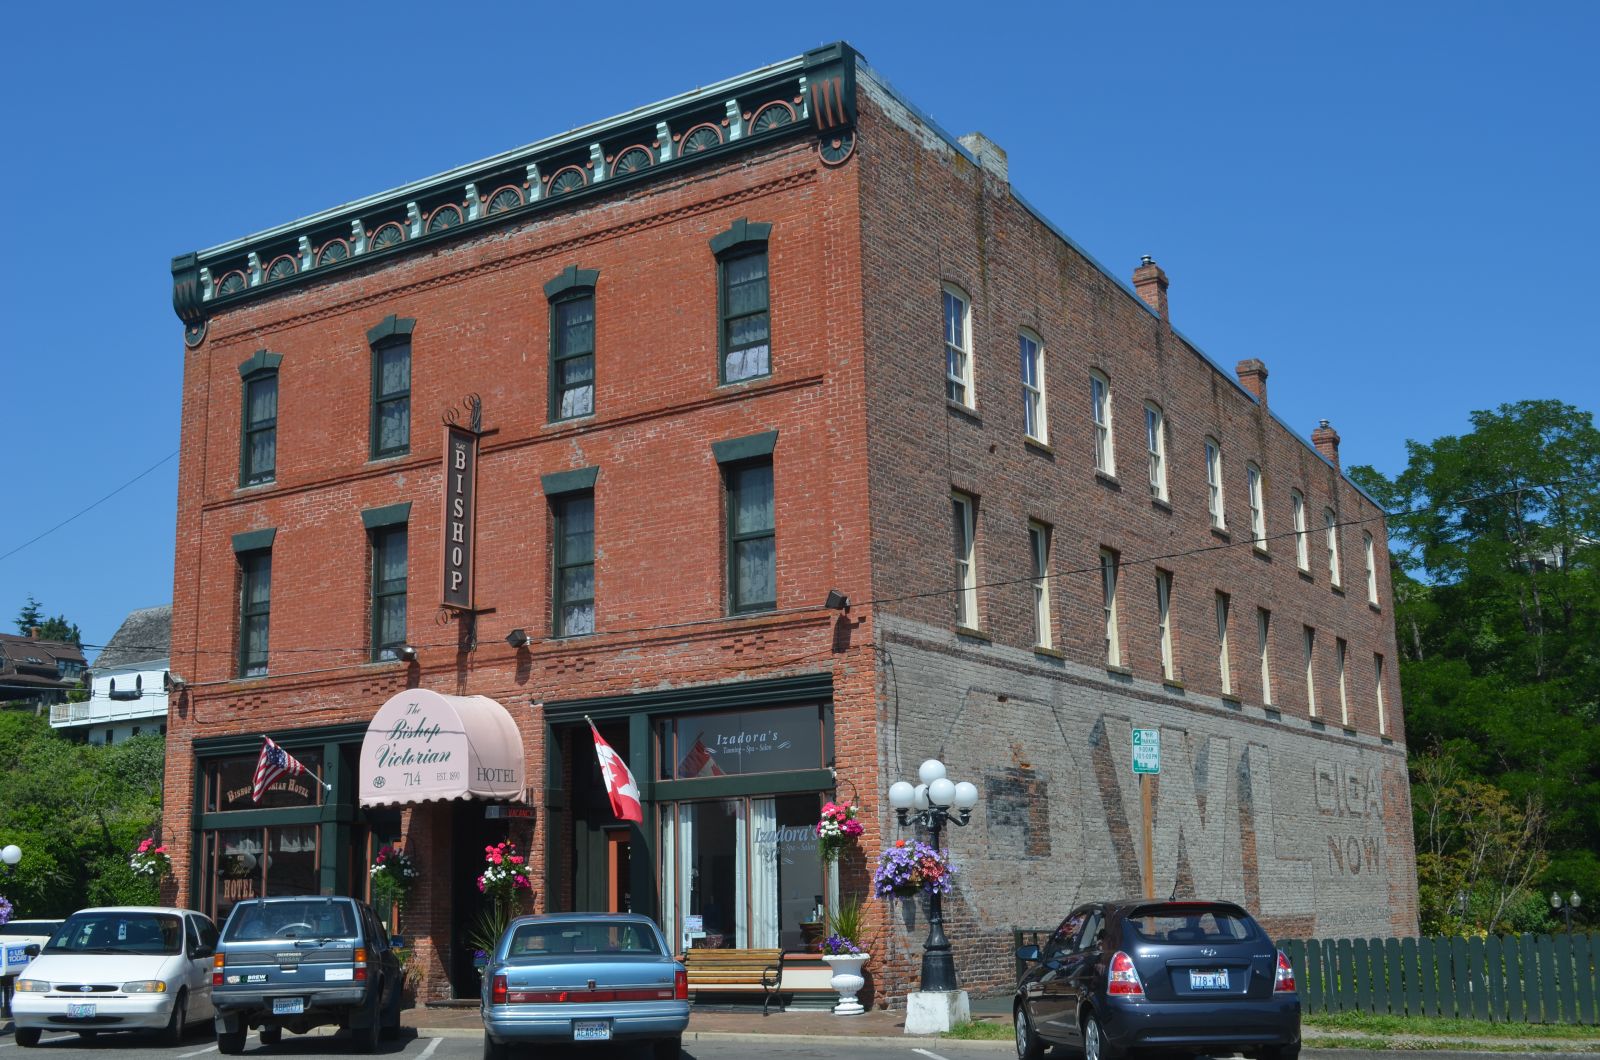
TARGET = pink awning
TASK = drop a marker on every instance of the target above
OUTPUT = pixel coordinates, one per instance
(424, 746)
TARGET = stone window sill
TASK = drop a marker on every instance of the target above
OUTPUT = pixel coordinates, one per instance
(966, 411)
(1043, 448)
(1120, 671)
(1054, 653)
(1157, 502)
(974, 634)
(1221, 533)
(1173, 683)
(1107, 479)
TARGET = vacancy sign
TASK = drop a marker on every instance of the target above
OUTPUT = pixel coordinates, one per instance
(1147, 750)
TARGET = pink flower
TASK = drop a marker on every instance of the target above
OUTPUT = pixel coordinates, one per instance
(516, 860)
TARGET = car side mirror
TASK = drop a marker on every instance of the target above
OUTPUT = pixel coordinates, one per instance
(31, 949)
(1027, 953)
(398, 942)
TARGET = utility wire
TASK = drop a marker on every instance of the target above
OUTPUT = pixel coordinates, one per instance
(90, 508)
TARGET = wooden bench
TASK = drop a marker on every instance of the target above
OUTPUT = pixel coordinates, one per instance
(772, 972)
(733, 971)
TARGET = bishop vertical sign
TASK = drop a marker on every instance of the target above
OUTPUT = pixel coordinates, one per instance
(460, 496)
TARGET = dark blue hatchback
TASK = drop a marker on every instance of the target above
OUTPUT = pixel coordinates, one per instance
(1177, 976)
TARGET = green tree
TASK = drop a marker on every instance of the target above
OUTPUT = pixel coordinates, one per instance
(57, 628)
(1496, 548)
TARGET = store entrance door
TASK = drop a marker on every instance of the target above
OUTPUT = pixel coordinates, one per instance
(619, 871)
(470, 833)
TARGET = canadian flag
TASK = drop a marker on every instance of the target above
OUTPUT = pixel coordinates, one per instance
(619, 782)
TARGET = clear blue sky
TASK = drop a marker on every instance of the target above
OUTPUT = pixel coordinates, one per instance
(1393, 205)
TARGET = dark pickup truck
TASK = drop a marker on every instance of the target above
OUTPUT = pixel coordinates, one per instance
(303, 962)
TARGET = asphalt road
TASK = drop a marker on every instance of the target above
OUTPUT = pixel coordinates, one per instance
(311, 1047)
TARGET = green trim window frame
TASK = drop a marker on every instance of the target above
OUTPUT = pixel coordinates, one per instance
(255, 611)
(258, 433)
(389, 563)
(391, 398)
(744, 304)
(752, 537)
(572, 578)
(572, 355)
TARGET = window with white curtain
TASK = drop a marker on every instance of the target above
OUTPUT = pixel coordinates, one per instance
(1258, 511)
(1377, 684)
(1155, 435)
(963, 511)
(752, 538)
(1214, 498)
(1302, 549)
(1370, 549)
(1108, 589)
(1310, 639)
(958, 347)
(1330, 523)
(1105, 457)
(1039, 548)
(1034, 422)
(1224, 664)
(1264, 650)
(1339, 650)
(1164, 622)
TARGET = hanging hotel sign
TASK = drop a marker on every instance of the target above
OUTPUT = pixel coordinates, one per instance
(460, 498)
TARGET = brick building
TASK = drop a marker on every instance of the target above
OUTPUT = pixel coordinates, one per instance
(699, 366)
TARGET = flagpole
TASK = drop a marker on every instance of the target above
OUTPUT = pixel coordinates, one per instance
(314, 775)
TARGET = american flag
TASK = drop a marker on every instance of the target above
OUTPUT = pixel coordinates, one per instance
(273, 763)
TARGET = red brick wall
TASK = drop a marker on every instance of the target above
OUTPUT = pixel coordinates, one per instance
(482, 327)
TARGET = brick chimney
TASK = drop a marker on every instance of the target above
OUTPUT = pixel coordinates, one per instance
(1326, 439)
(990, 155)
(33, 634)
(1253, 377)
(1151, 283)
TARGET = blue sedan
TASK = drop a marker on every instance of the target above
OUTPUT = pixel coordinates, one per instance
(583, 977)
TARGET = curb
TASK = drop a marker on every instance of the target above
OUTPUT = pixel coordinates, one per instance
(910, 1041)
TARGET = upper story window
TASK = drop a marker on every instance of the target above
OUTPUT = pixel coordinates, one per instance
(1214, 499)
(1224, 663)
(1108, 605)
(1264, 651)
(1034, 423)
(958, 347)
(571, 296)
(572, 580)
(1302, 548)
(389, 566)
(1340, 650)
(258, 444)
(743, 301)
(391, 386)
(1164, 623)
(1377, 685)
(963, 512)
(1155, 440)
(1105, 457)
(752, 538)
(1330, 523)
(1258, 511)
(1039, 549)
(1310, 639)
(255, 610)
(1370, 549)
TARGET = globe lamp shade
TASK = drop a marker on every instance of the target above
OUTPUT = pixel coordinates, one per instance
(966, 795)
(11, 854)
(942, 792)
(920, 797)
(900, 795)
(930, 771)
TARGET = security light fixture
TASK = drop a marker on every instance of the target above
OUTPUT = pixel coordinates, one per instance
(172, 682)
(406, 653)
(837, 601)
(517, 638)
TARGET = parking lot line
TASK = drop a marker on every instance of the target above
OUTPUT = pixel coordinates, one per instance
(198, 1052)
(429, 1050)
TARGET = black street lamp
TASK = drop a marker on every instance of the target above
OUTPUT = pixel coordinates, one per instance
(935, 802)
(10, 856)
(1565, 906)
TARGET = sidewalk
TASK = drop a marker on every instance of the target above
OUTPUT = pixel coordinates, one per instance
(445, 1022)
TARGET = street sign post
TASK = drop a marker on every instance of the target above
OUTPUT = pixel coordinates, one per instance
(1146, 763)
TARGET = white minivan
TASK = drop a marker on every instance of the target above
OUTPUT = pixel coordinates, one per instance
(119, 968)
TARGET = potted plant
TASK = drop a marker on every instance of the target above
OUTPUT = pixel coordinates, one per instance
(151, 863)
(837, 827)
(392, 873)
(911, 867)
(504, 879)
(842, 950)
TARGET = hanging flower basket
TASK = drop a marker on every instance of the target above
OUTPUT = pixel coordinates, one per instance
(837, 828)
(911, 867)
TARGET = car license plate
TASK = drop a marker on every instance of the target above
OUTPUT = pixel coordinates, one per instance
(1217, 980)
(83, 1011)
(288, 1006)
(591, 1030)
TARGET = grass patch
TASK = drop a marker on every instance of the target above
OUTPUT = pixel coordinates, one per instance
(1422, 1045)
(981, 1031)
(1431, 1026)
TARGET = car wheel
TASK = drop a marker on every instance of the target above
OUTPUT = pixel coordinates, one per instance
(271, 1035)
(28, 1037)
(391, 1016)
(493, 1050)
(1029, 1047)
(366, 1038)
(231, 1043)
(173, 1034)
(669, 1048)
(1095, 1046)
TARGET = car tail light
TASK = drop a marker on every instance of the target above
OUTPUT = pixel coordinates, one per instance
(680, 985)
(584, 997)
(360, 965)
(219, 960)
(1124, 977)
(1283, 983)
(497, 991)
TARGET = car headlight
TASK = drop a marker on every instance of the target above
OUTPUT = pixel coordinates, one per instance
(32, 986)
(145, 986)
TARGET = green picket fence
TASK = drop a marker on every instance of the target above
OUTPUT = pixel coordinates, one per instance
(1512, 978)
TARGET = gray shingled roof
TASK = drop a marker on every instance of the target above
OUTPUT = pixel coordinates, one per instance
(144, 636)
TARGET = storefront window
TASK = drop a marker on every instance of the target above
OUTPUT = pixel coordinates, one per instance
(228, 782)
(738, 743)
(742, 873)
(253, 862)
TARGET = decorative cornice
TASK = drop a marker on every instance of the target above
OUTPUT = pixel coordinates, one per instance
(815, 91)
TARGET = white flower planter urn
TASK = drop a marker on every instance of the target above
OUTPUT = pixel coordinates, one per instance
(848, 980)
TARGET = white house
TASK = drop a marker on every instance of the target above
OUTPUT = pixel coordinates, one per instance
(128, 683)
